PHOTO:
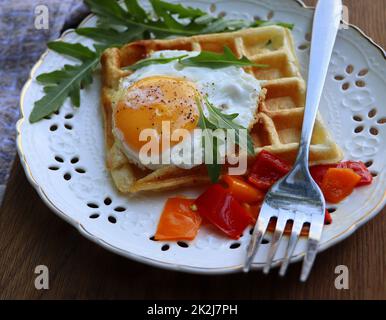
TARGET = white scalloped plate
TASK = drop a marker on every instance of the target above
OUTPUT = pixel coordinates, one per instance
(64, 156)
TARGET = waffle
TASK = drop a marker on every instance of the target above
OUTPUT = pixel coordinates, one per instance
(280, 111)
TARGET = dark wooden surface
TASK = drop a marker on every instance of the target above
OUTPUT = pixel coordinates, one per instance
(30, 235)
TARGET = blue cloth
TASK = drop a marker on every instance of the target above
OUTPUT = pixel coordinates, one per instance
(21, 45)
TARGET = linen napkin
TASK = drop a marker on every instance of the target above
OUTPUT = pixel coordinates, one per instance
(25, 28)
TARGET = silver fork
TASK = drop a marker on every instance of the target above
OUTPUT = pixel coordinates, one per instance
(297, 197)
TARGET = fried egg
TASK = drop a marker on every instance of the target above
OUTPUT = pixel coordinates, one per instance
(167, 92)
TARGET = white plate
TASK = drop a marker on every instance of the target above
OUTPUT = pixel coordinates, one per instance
(355, 88)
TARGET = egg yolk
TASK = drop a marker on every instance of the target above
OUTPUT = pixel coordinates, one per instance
(149, 102)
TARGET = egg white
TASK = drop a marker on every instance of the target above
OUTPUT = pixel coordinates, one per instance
(231, 89)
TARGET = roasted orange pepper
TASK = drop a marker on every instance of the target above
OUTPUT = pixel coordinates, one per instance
(178, 221)
(241, 190)
(338, 183)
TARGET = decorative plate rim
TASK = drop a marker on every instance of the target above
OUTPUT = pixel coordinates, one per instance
(153, 262)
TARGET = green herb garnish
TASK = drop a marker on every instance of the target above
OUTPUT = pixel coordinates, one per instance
(120, 23)
(150, 61)
(225, 121)
(204, 59)
(219, 60)
(65, 82)
(209, 142)
(218, 120)
(178, 9)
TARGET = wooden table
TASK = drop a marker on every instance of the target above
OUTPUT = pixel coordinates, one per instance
(30, 235)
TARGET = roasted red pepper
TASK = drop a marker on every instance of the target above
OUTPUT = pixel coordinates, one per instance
(253, 210)
(219, 207)
(266, 170)
(359, 168)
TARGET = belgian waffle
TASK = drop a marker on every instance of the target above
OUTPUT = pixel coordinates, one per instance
(280, 111)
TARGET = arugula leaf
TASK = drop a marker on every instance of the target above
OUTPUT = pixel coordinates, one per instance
(181, 11)
(74, 50)
(204, 59)
(209, 142)
(165, 16)
(113, 12)
(146, 62)
(218, 120)
(109, 9)
(110, 36)
(60, 85)
(164, 24)
(215, 60)
(68, 81)
(225, 121)
(214, 169)
(136, 10)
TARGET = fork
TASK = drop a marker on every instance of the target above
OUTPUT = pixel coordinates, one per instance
(296, 197)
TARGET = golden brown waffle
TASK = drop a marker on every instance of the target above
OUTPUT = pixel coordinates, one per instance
(279, 117)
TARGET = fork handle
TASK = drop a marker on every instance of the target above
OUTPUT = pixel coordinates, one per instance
(324, 31)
